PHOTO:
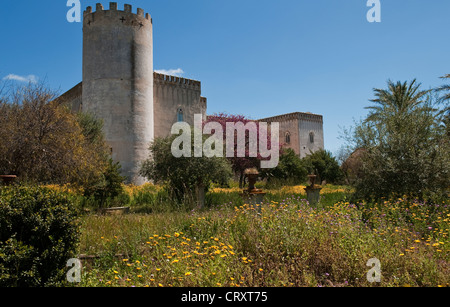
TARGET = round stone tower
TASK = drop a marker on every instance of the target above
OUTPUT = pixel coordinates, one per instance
(118, 81)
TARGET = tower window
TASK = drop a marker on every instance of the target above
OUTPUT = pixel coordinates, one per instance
(288, 138)
(180, 117)
(311, 137)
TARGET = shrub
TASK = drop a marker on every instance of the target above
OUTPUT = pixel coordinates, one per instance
(108, 189)
(290, 170)
(38, 234)
(323, 164)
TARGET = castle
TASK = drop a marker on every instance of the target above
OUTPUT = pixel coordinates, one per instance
(136, 104)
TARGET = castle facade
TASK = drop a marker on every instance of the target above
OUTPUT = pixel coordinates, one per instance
(136, 104)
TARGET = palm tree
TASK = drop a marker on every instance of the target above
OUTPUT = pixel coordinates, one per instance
(399, 98)
(446, 88)
(445, 99)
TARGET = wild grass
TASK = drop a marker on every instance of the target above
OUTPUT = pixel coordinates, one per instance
(288, 243)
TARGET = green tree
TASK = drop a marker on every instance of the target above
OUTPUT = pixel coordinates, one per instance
(108, 186)
(445, 99)
(185, 176)
(406, 149)
(92, 129)
(398, 99)
(324, 165)
(290, 169)
(445, 88)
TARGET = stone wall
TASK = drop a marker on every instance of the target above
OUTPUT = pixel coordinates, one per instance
(310, 124)
(300, 126)
(73, 98)
(173, 96)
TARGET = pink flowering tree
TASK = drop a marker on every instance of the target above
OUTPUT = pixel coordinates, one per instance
(251, 159)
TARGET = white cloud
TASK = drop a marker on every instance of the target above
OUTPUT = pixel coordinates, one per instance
(171, 72)
(28, 79)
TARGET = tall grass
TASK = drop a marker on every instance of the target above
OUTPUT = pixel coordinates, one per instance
(288, 244)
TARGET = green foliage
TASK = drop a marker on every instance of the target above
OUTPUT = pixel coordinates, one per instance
(39, 233)
(445, 100)
(406, 146)
(92, 129)
(323, 164)
(289, 170)
(446, 89)
(183, 175)
(108, 187)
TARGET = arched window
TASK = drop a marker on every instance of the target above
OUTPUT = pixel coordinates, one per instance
(311, 137)
(180, 117)
(287, 138)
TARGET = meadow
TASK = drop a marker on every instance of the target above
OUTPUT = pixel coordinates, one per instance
(288, 243)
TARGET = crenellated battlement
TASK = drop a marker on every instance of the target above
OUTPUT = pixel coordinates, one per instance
(128, 8)
(293, 116)
(167, 79)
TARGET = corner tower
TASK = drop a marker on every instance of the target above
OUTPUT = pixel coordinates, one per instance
(118, 81)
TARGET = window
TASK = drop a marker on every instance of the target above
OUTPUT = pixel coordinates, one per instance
(288, 138)
(311, 137)
(180, 117)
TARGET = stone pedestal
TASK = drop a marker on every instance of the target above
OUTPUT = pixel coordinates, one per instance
(313, 191)
(313, 194)
(252, 195)
(201, 195)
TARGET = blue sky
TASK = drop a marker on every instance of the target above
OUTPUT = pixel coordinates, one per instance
(254, 57)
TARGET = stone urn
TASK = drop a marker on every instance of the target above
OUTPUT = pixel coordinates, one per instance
(312, 179)
(252, 176)
(252, 195)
